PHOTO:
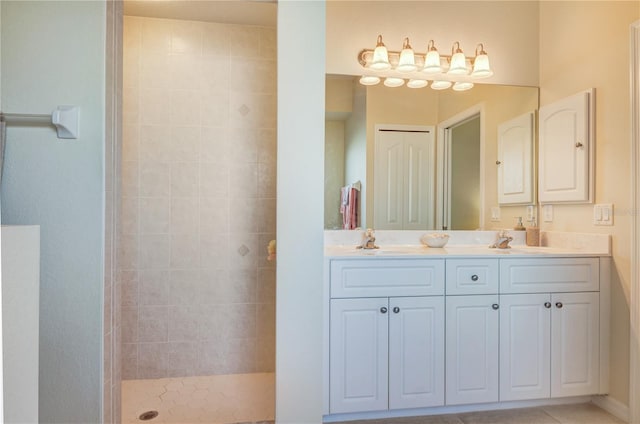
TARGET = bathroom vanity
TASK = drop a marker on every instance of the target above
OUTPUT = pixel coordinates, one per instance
(413, 330)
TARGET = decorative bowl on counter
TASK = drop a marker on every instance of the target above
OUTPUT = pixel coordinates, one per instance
(435, 239)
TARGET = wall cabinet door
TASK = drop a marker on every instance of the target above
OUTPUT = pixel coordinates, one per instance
(416, 352)
(566, 150)
(525, 351)
(574, 344)
(472, 349)
(358, 355)
(404, 183)
(515, 160)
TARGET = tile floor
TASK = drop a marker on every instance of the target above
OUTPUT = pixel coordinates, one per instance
(582, 413)
(250, 399)
(218, 399)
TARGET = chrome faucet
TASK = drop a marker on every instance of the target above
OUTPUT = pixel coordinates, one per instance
(502, 240)
(368, 240)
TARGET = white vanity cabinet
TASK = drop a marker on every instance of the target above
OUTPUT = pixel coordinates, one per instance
(472, 319)
(386, 352)
(411, 333)
(549, 333)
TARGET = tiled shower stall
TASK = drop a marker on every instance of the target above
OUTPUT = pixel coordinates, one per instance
(198, 199)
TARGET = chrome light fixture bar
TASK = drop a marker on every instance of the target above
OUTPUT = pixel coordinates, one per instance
(445, 71)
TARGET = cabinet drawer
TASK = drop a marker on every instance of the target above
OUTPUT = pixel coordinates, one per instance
(549, 275)
(472, 276)
(387, 277)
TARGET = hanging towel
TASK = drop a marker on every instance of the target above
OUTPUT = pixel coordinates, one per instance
(349, 206)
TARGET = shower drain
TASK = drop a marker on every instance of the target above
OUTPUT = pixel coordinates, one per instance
(149, 415)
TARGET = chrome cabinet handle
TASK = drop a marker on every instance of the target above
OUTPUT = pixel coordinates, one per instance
(558, 305)
(474, 277)
(547, 305)
(396, 310)
(495, 306)
(383, 310)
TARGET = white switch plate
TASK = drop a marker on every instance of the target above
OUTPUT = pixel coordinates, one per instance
(495, 214)
(547, 213)
(603, 214)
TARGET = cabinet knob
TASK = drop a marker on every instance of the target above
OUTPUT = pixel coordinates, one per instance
(558, 305)
(498, 162)
(396, 310)
(547, 305)
(383, 309)
(495, 306)
(578, 145)
(474, 277)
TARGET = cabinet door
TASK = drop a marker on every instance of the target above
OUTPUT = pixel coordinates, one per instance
(525, 352)
(565, 150)
(515, 160)
(574, 344)
(472, 349)
(358, 355)
(416, 352)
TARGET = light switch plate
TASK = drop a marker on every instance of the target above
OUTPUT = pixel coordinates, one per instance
(603, 214)
(547, 213)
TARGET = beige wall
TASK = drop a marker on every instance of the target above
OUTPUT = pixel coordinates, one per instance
(199, 198)
(584, 45)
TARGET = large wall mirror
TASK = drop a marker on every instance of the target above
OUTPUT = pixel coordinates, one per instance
(419, 159)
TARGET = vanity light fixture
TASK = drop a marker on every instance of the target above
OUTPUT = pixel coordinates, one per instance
(432, 60)
(393, 82)
(458, 64)
(402, 67)
(369, 80)
(462, 86)
(380, 60)
(407, 62)
(417, 83)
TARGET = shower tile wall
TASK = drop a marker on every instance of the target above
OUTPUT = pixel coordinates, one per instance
(198, 198)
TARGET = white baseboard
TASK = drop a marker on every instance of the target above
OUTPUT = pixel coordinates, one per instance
(612, 406)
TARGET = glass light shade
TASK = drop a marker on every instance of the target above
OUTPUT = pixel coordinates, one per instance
(393, 82)
(417, 83)
(369, 80)
(407, 62)
(432, 63)
(440, 85)
(380, 60)
(458, 64)
(462, 86)
(481, 68)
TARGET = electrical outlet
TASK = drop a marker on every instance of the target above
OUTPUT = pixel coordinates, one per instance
(530, 214)
(547, 213)
(495, 214)
(603, 214)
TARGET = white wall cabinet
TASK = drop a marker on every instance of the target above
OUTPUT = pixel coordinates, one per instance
(472, 349)
(386, 353)
(404, 185)
(515, 160)
(566, 150)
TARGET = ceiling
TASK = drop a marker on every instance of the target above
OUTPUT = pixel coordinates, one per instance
(257, 12)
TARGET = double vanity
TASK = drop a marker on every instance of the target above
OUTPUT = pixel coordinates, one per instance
(414, 330)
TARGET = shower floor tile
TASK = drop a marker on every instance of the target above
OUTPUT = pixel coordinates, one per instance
(217, 399)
